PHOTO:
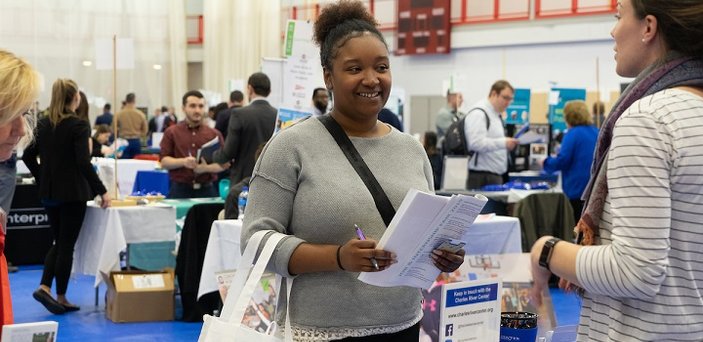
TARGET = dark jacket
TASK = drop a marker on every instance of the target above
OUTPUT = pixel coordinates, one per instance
(249, 126)
(222, 120)
(65, 173)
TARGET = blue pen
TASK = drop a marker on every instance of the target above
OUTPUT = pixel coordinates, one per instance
(361, 236)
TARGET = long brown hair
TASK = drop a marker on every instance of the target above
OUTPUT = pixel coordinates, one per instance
(679, 21)
(62, 94)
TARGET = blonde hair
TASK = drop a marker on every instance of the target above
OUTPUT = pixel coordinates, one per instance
(19, 87)
(62, 94)
(576, 113)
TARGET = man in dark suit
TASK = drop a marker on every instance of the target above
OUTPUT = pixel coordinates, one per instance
(236, 100)
(249, 126)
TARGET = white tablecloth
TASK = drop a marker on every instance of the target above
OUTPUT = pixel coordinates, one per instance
(222, 253)
(106, 232)
(126, 172)
(497, 235)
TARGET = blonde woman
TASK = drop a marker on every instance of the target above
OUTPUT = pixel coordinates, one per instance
(576, 153)
(66, 181)
(19, 87)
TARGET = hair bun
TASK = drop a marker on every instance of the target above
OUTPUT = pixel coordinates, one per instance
(337, 13)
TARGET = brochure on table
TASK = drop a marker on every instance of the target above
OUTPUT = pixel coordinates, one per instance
(470, 311)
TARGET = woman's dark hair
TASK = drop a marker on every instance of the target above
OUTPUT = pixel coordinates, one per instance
(679, 21)
(83, 108)
(340, 22)
(430, 143)
(101, 129)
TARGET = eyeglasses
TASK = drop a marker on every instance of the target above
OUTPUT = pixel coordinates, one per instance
(507, 98)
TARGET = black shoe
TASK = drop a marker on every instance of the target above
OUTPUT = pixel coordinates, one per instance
(70, 307)
(49, 302)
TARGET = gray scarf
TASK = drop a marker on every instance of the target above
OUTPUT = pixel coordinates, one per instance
(674, 71)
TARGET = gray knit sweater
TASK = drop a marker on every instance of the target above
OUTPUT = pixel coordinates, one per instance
(304, 186)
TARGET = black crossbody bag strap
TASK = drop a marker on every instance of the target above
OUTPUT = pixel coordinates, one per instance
(383, 204)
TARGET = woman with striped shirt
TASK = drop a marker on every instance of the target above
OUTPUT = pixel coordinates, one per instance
(639, 257)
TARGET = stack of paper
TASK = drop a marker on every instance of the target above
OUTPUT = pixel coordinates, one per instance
(422, 223)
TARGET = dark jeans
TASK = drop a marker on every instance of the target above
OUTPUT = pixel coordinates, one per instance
(66, 219)
(409, 334)
(183, 190)
(134, 148)
(477, 179)
(577, 205)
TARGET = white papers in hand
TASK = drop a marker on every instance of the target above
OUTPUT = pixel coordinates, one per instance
(422, 223)
(529, 137)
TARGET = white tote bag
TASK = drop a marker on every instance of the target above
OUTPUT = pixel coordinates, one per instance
(228, 327)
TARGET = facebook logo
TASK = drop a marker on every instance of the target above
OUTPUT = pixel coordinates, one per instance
(449, 330)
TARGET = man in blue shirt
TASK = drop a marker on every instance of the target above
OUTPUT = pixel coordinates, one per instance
(105, 118)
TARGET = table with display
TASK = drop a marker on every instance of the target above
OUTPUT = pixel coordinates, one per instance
(160, 254)
(106, 232)
(126, 172)
(488, 235)
(29, 236)
(147, 181)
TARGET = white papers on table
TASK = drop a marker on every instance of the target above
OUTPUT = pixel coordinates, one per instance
(420, 225)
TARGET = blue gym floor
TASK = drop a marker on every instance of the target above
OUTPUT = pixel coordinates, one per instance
(90, 323)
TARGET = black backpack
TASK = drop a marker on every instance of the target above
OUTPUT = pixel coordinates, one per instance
(455, 139)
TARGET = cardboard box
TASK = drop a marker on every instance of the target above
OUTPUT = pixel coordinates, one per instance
(135, 296)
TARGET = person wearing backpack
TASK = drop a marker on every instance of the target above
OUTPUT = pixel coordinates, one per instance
(449, 113)
(485, 136)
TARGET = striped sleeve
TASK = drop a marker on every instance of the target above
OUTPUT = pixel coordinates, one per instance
(634, 264)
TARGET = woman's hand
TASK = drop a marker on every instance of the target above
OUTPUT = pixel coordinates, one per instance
(540, 275)
(447, 261)
(106, 200)
(355, 256)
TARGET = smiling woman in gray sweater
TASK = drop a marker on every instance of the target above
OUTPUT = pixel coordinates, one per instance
(304, 186)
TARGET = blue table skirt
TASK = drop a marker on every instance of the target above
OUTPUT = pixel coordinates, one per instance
(150, 181)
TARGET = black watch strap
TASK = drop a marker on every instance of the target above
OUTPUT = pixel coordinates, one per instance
(547, 251)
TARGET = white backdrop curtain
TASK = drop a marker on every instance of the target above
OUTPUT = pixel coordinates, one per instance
(238, 34)
(58, 38)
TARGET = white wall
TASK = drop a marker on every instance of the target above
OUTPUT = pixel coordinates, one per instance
(536, 55)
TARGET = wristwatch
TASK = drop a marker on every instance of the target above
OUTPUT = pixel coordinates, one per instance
(547, 250)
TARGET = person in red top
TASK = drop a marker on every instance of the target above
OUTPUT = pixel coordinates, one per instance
(190, 178)
(20, 85)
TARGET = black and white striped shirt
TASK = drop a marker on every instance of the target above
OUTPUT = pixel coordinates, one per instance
(645, 282)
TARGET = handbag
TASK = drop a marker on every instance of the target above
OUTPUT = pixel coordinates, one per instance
(228, 327)
(383, 204)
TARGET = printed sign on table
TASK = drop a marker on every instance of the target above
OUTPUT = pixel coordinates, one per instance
(470, 311)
